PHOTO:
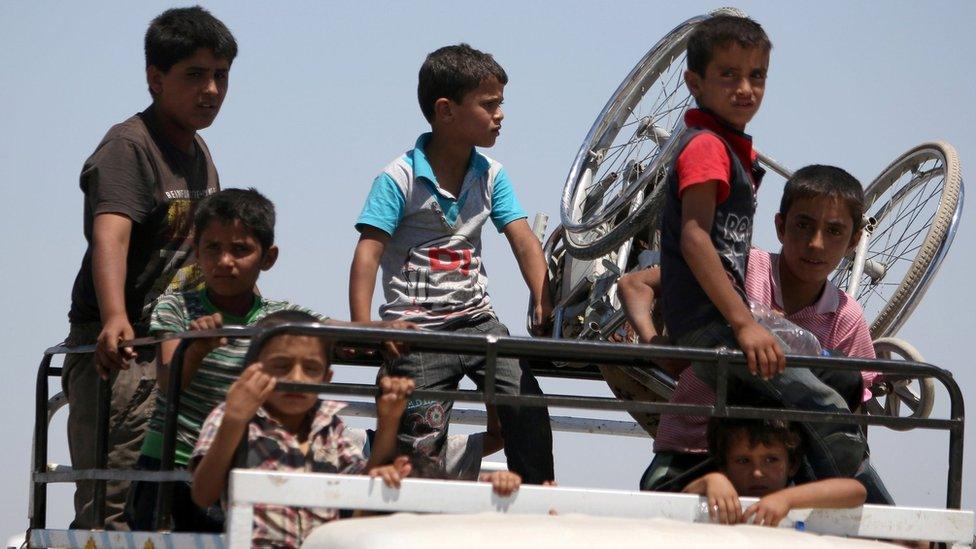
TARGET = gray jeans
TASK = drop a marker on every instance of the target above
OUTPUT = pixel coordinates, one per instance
(833, 450)
(133, 399)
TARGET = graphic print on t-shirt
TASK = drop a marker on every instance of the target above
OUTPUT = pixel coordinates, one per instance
(442, 271)
(737, 235)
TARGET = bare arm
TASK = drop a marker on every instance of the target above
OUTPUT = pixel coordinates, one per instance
(723, 500)
(194, 354)
(532, 263)
(697, 214)
(110, 249)
(832, 493)
(362, 273)
(389, 409)
(243, 400)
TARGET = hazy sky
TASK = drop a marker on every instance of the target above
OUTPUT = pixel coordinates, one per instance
(322, 96)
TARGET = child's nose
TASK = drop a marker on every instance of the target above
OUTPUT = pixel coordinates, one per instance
(817, 240)
(210, 86)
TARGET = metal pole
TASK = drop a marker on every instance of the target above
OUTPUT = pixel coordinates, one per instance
(38, 494)
(164, 490)
(103, 405)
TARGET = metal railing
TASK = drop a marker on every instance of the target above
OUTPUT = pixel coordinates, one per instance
(492, 348)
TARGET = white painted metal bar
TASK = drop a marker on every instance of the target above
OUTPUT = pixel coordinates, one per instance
(85, 539)
(567, 424)
(249, 487)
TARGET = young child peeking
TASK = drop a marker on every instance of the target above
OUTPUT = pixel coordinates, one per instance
(758, 458)
(294, 432)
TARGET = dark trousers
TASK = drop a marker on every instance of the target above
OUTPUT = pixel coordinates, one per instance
(526, 429)
(140, 507)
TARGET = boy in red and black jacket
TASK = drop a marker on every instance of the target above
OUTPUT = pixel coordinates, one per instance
(706, 234)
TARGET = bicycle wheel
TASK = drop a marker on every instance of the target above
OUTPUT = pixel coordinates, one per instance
(913, 210)
(627, 149)
(893, 391)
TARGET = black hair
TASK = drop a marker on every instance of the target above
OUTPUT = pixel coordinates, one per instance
(424, 466)
(720, 31)
(817, 181)
(721, 432)
(178, 33)
(452, 72)
(290, 316)
(248, 206)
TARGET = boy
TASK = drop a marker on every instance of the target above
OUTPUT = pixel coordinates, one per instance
(422, 222)
(141, 186)
(233, 238)
(818, 223)
(706, 231)
(294, 432)
(758, 458)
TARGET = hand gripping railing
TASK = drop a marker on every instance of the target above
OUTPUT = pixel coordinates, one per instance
(492, 348)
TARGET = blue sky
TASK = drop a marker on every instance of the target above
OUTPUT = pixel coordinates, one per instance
(323, 95)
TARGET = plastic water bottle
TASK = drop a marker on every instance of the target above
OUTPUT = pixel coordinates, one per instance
(794, 339)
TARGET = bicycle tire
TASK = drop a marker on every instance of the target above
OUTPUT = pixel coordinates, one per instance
(944, 169)
(898, 390)
(590, 238)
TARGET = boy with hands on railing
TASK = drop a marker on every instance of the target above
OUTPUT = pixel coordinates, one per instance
(292, 431)
(758, 458)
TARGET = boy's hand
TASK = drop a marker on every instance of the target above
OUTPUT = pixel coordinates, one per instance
(392, 350)
(542, 317)
(393, 473)
(202, 347)
(108, 355)
(503, 483)
(393, 398)
(768, 511)
(248, 393)
(763, 353)
(723, 500)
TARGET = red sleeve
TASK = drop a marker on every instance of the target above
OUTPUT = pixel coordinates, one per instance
(705, 158)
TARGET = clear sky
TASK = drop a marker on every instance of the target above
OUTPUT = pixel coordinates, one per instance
(322, 96)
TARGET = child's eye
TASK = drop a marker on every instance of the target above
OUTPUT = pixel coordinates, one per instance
(220, 75)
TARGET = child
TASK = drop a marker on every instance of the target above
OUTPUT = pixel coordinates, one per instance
(758, 458)
(706, 232)
(233, 244)
(295, 432)
(422, 222)
(818, 224)
(141, 186)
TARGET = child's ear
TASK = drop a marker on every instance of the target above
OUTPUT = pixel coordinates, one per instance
(269, 258)
(443, 110)
(154, 78)
(794, 466)
(328, 376)
(693, 81)
(780, 223)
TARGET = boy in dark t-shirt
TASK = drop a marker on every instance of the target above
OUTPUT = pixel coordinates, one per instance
(141, 186)
(706, 233)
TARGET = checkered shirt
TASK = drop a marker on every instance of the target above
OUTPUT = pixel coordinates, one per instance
(271, 447)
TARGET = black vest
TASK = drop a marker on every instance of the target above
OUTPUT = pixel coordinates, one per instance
(685, 305)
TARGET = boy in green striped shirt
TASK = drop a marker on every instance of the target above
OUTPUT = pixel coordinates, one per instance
(233, 237)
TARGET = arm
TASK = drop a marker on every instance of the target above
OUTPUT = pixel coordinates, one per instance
(243, 400)
(528, 254)
(722, 499)
(832, 493)
(110, 249)
(194, 354)
(762, 351)
(389, 409)
(362, 274)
